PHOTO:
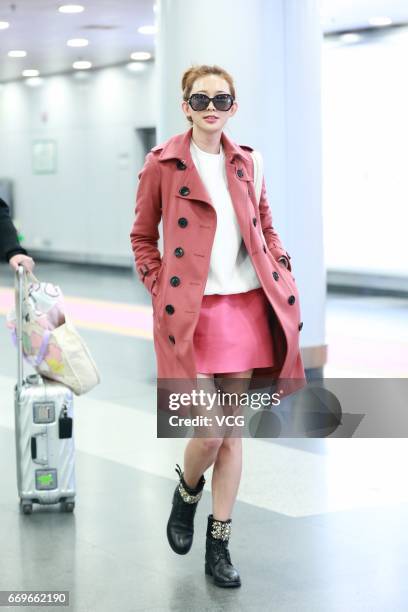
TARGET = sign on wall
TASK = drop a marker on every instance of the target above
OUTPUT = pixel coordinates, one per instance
(44, 154)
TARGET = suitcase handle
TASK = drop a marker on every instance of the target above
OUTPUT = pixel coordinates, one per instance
(21, 292)
(19, 325)
(34, 448)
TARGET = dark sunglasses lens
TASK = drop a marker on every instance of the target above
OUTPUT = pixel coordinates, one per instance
(199, 102)
(223, 102)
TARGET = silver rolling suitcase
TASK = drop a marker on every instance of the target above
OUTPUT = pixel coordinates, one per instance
(45, 448)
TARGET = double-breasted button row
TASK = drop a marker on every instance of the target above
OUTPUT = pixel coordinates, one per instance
(240, 173)
(275, 275)
(178, 251)
(184, 191)
(181, 165)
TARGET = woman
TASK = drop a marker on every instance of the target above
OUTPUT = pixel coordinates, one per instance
(216, 263)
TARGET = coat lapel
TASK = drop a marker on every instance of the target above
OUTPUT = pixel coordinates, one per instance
(238, 166)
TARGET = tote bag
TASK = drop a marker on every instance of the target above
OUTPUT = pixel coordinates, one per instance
(51, 344)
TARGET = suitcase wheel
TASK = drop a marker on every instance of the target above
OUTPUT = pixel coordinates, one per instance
(27, 507)
(68, 506)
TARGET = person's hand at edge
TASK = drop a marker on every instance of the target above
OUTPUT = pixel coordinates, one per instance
(24, 260)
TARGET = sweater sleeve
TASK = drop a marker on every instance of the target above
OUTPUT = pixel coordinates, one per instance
(9, 244)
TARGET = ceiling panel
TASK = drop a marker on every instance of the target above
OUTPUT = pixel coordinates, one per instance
(38, 27)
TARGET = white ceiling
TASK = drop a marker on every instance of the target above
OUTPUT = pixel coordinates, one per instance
(340, 15)
(38, 27)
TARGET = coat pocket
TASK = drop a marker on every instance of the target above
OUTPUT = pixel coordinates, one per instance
(157, 290)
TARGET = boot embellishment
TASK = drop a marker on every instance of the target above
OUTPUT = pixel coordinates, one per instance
(185, 495)
(221, 530)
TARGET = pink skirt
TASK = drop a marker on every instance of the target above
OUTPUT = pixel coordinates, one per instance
(233, 334)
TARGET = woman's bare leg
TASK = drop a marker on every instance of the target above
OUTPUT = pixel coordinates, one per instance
(201, 452)
(228, 464)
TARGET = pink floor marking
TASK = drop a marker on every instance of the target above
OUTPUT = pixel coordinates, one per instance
(115, 317)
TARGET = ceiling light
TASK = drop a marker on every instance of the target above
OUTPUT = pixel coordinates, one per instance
(4, 25)
(34, 81)
(71, 8)
(140, 55)
(30, 73)
(380, 21)
(17, 53)
(82, 65)
(350, 37)
(78, 42)
(147, 29)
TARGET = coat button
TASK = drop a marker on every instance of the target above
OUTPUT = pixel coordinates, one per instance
(169, 308)
(182, 222)
(171, 338)
(184, 191)
(240, 173)
(300, 325)
(264, 248)
(275, 275)
(254, 221)
(174, 281)
(179, 252)
(181, 165)
(291, 299)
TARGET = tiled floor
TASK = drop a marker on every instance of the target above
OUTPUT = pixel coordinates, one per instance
(319, 525)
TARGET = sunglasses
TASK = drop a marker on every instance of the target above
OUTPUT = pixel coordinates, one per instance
(200, 102)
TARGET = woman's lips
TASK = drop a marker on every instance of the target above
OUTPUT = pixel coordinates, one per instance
(211, 119)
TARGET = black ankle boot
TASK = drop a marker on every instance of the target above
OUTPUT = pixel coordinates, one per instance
(180, 526)
(217, 557)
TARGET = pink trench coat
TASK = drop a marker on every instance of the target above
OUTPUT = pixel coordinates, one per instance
(170, 187)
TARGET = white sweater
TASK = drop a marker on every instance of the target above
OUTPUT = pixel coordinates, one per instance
(231, 269)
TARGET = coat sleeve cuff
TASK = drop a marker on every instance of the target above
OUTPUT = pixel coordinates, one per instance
(16, 251)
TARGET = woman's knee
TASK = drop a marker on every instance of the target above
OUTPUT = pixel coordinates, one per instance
(210, 446)
(232, 443)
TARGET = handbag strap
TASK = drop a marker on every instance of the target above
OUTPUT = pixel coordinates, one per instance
(258, 173)
(28, 276)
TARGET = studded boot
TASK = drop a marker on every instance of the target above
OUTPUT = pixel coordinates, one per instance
(217, 557)
(180, 526)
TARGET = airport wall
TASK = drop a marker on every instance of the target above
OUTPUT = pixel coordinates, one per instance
(71, 148)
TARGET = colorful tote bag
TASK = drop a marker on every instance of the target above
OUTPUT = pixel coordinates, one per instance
(51, 344)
